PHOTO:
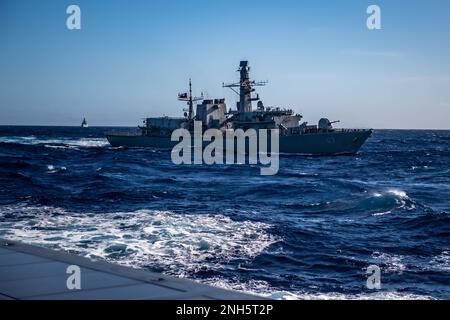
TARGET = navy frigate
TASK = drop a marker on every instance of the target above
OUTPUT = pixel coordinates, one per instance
(294, 136)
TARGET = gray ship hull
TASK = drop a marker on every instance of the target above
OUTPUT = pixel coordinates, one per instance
(326, 143)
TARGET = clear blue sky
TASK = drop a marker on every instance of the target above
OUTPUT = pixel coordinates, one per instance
(131, 58)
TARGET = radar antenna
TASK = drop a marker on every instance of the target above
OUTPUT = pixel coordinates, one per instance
(246, 87)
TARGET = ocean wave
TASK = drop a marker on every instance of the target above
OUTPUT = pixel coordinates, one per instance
(263, 289)
(397, 264)
(441, 262)
(379, 295)
(56, 143)
(158, 240)
(434, 224)
(14, 164)
(89, 142)
(52, 169)
(384, 202)
(390, 263)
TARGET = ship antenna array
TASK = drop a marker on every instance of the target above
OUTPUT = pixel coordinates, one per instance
(244, 84)
(246, 88)
(190, 100)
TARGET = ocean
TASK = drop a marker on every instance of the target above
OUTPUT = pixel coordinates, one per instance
(309, 232)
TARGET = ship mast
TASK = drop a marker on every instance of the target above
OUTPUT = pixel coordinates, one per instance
(246, 87)
(190, 100)
(191, 103)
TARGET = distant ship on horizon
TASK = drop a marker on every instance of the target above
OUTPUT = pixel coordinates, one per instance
(84, 123)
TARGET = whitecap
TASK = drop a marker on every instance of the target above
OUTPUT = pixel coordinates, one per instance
(89, 142)
(57, 143)
(377, 214)
(384, 202)
(398, 193)
(377, 195)
(389, 263)
(52, 169)
(177, 243)
(441, 262)
(263, 289)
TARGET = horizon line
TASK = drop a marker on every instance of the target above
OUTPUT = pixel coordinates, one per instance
(135, 126)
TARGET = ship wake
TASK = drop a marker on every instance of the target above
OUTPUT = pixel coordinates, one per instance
(177, 244)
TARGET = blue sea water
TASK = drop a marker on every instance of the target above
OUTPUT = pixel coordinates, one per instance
(309, 232)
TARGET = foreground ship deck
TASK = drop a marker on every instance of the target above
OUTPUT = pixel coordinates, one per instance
(33, 273)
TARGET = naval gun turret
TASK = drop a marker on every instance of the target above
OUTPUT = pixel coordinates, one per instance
(325, 124)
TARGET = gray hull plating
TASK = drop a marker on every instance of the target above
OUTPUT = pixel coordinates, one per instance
(327, 143)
